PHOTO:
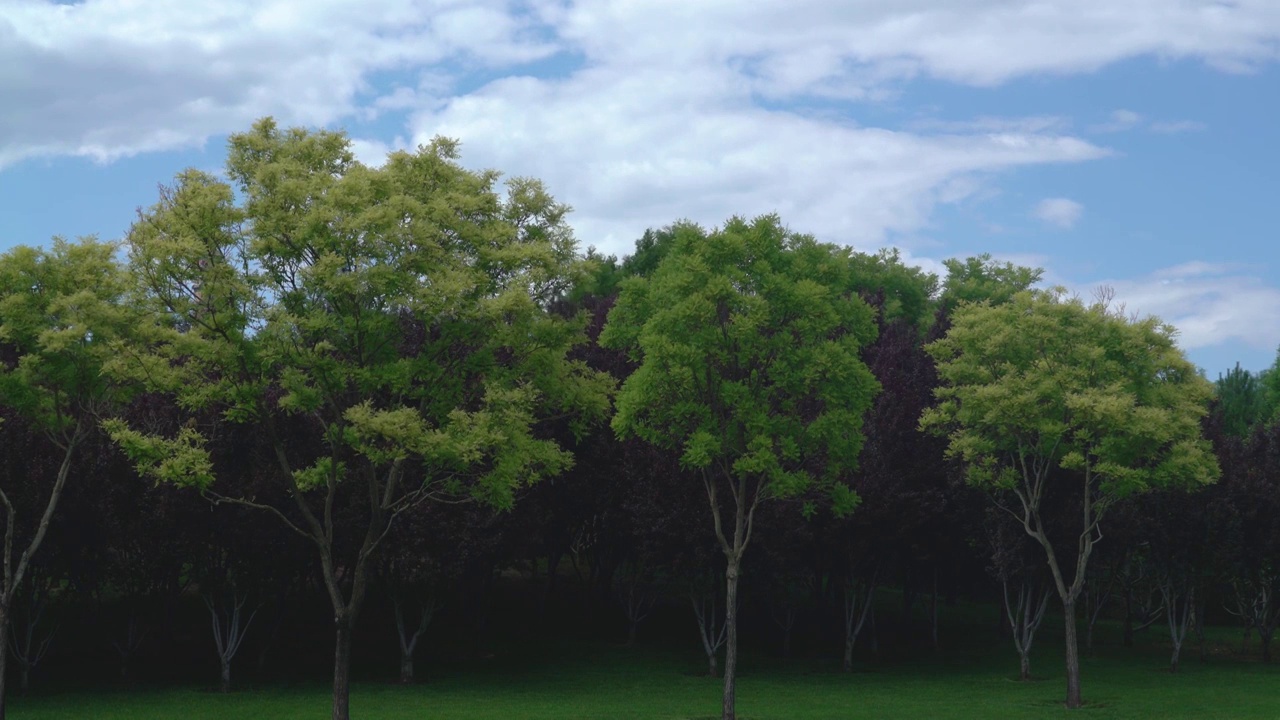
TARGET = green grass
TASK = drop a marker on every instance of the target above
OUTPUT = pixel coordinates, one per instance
(574, 680)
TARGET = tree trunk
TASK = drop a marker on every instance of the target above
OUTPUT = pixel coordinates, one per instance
(1073, 655)
(1024, 666)
(1199, 625)
(1128, 618)
(731, 638)
(406, 667)
(342, 670)
(4, 654)
(225, 684)
(713, 668)
(933, 609)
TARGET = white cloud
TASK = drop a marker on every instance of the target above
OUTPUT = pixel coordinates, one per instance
(633, 148)
(1059, 212)
(107, 78)
(1210, 304)
(1120, 121)
(989, 124)
(110, 78)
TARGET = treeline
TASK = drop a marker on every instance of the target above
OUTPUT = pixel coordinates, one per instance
(314, 386)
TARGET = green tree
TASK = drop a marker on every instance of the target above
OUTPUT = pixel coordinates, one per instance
(1269, 382)
(1241, 400)
(63, 311)
(979, 278)
(386, 329)
(747, 342)
(1045, 393)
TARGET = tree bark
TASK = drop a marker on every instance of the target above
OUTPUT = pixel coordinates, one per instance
(406, 667)
(1073, 655)
(341, 670)
(731, 638)
(224, 684)
(4, 652)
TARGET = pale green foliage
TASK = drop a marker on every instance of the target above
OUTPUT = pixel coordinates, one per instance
(181, 460)
(1045, 378)
(63, 312)
(747, 340)
(401, 308)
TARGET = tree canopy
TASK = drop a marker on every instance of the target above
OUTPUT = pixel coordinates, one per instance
(1045, 391)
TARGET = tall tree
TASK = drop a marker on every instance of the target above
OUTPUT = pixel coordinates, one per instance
(385, 329)
(1044, 392)
(62, 309)
(1241, 400)
(747, 341)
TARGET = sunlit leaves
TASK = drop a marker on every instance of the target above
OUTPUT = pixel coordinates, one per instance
(181, 460)
(1045, 376)
(748, 341)
(401, 311)
(63, 316)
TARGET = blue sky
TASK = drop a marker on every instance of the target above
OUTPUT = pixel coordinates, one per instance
(1132, 144)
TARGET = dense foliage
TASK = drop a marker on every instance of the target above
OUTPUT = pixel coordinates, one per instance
(319, 401)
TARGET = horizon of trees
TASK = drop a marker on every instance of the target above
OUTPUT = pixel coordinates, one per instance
(394, 386)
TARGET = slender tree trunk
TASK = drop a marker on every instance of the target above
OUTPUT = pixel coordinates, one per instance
(1199, 625)
(225, 683)
(342, 669)
(1073, 655)
(713, 667)
(854, 620)
(731, 637)
(1024, 620)
(933, 609)
(4, 653)
(406, 667)
(1128, 619)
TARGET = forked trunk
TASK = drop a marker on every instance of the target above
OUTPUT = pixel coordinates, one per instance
(855, 618)
(711, 633)
(1025, 617)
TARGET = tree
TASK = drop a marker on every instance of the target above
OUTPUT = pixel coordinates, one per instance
(747, 342)
(384, 329)
(1045, 393)
(981, 279)
(1242, 400)
(62, 310)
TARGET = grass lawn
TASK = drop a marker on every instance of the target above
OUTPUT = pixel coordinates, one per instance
(578, 680)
